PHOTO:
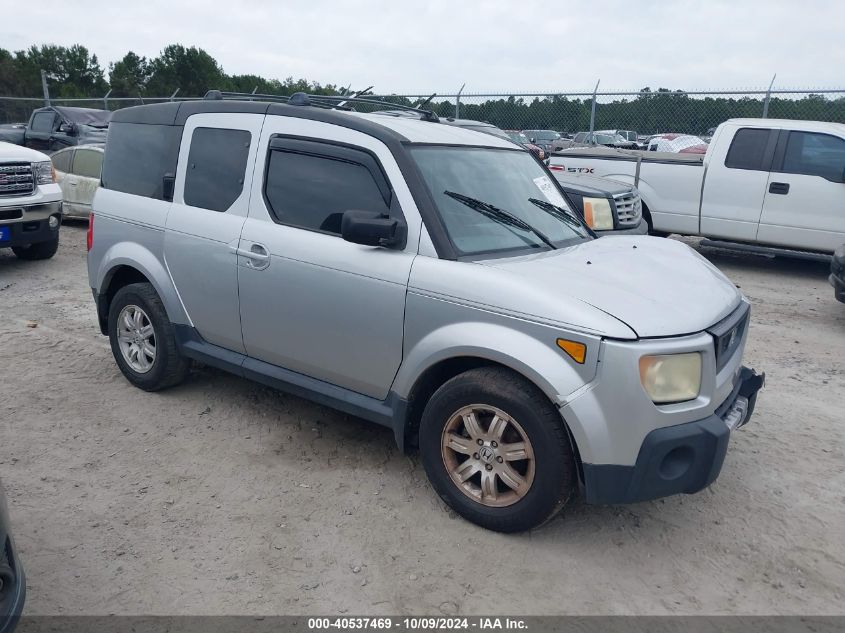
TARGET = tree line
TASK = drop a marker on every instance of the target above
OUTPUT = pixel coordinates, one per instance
(74, 72)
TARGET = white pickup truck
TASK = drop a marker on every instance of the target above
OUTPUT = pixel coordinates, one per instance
(764, 185)
(30, 203)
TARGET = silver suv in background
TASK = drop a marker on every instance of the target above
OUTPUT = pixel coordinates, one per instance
(428, 278)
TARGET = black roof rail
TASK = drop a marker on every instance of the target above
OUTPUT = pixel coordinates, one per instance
(321, 101)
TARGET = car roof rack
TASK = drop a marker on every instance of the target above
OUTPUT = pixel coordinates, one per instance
(335, 102)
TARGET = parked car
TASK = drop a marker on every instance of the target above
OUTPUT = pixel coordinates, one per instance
(591, 139)
(53, 127)
(837, 273)
(609, 207)
(30, 203)
(489, 128)
(12, 579)
(427, 278)
(542, 138)
(518, 137)
(629, 136)
(78, 172)
(765, 185)
(677, 143)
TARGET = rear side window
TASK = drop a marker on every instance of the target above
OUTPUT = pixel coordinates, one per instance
(139, 156)
(815, 155)
(61, 160)
(88, 163)
(312, 192)
(216, 167)
(748, 149)
(43, 121)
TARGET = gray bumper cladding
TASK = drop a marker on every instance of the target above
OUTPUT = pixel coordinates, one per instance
(677, 459)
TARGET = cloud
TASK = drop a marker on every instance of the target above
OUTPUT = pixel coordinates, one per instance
(495, 45)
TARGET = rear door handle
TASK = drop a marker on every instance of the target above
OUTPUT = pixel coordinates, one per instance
(781, 188)
(256, 255)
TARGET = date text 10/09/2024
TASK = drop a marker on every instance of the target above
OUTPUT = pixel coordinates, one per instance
(417, 623)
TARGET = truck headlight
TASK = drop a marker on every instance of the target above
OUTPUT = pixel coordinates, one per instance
(671, 377)
(598, 214)
(43, 173)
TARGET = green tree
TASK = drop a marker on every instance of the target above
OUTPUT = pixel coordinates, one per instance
(129, 76)
(191, 70)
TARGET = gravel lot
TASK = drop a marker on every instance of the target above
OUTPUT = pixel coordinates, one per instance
(224, 497)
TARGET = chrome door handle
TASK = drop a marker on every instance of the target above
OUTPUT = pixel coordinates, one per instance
(258, 256)
(72, 183)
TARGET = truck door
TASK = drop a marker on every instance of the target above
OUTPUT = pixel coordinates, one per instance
(805, 198)
(210, 203)
(39, 133)
(312, 302)
(735, 183)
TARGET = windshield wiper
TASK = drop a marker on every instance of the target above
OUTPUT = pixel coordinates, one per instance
(564, 215)
(499, 215)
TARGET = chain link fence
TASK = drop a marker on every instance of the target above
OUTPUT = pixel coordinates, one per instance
(646, 112)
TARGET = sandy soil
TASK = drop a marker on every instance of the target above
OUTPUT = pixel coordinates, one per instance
(225, 497)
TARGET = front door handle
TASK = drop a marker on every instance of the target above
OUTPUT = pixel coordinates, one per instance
(781, 188)
(257, 256)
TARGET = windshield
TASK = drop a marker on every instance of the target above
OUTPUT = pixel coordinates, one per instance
(512, 182)
(518, 137)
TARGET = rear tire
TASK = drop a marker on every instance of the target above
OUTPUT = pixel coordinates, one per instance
(143, 340)
(515, 483)
(39, 250)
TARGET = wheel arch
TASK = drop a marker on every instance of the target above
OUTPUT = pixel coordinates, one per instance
(135, 264)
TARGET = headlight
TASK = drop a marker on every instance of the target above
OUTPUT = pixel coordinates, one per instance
(671, 377)
(598, 214)
(43, 173)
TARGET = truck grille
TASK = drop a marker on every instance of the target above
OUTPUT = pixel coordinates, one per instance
(16, 179)
(628, 208)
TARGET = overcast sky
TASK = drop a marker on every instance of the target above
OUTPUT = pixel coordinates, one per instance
(419, 46)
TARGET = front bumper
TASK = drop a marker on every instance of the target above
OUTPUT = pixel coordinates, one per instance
(640, 229)
(676, 459)
(32, 227)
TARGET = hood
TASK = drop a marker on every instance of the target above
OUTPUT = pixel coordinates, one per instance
(656, 286)
(10, 153)
(89, 135)
(586, 185)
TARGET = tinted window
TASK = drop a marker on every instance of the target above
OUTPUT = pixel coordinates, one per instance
(748, 149)
(815, 155)
(61, 160)
(312, 192)
(216, 167)
(88, 163)
(139, 156)
(43, 121)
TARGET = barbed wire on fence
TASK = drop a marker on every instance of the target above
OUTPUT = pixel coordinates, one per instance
(644, 111)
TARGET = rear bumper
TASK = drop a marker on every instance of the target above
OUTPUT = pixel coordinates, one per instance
(33, 226)
(684, 458)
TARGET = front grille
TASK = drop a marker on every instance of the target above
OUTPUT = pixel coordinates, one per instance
(628, 208)
(16, 179)
(729, 333)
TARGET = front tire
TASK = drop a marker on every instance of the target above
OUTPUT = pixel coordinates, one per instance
(142, 339)
(39, 250)
(496, 450)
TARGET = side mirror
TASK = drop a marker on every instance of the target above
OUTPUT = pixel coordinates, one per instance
(68, 128)
(373, 229)
(532, 140)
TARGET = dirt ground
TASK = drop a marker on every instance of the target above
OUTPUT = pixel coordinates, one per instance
(225, 497)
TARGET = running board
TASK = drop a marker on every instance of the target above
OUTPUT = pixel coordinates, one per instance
(767, 251)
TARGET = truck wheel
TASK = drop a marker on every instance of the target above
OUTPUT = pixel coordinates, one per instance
(496, 450)
(39, 250)
(142, 339)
